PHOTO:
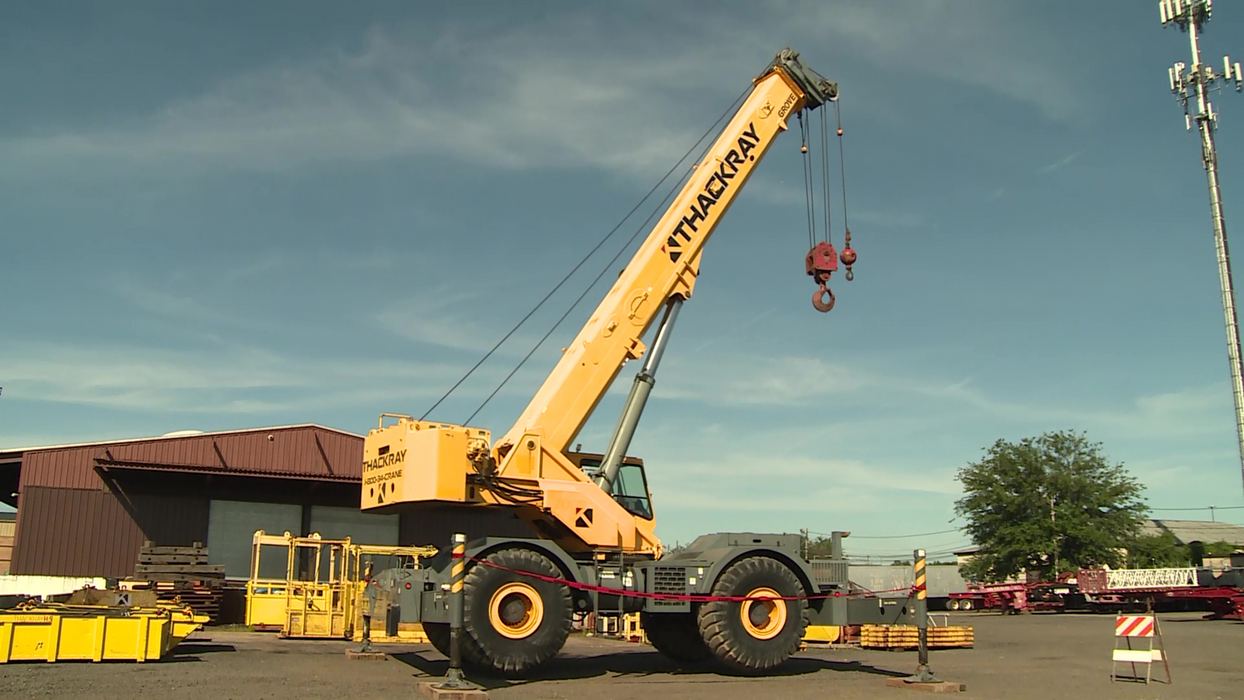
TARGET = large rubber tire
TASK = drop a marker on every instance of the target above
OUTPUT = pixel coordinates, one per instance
(532, 638)
(438, 636)
(764, 641)
(675, 635)
(952, 604)
(966, 604)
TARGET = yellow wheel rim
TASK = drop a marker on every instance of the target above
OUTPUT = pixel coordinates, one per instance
(515, 610)
(763, 619)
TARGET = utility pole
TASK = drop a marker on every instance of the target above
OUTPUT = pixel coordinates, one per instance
(1191, 16)
(1054, 528)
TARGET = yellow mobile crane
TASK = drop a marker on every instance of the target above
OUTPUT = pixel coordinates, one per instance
(594, 547)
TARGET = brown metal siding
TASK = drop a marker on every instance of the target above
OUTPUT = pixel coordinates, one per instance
(74, 532)
(70, 468)
(171, 521)
(79, 532)
(306, 451)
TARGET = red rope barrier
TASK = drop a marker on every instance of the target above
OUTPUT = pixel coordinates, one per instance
(691, 598)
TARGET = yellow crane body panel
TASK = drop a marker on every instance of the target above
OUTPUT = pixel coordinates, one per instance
(414, 461)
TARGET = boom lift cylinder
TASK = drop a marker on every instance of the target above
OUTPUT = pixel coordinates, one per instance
(635, 402)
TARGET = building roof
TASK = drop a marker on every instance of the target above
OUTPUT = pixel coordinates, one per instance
(8, 452)
(306, 451)
(1186, 531)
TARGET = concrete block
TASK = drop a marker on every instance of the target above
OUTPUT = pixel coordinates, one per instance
(428, 689)
(366, 655)
(938, 687)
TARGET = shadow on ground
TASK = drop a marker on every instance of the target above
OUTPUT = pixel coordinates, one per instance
(189, 648)
(653, 663)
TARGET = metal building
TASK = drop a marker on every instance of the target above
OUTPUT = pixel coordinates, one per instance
(86, 509)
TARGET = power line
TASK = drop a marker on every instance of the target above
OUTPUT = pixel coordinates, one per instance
(1210, 508)
(890, 537)
(942, 547)
(573, 271)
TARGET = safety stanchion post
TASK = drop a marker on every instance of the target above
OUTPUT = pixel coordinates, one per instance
(454, 678)
(366, 651)
(923, 679)
(923, 673)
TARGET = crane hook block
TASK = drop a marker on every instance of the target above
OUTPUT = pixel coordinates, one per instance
(848, 257)
(821, 262)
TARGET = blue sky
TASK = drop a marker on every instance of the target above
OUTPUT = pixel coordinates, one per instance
(228, 215)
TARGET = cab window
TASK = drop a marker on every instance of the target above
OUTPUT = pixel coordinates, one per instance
(630, 490)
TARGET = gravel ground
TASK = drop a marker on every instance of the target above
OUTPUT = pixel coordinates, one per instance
(1033, 657)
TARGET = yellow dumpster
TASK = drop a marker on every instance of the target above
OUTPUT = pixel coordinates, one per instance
(53, 632)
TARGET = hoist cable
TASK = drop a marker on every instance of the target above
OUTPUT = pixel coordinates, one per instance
(674, 190)
(829, 238)
(590, 253)
(807, 181)
(677, 186)
(842, 162)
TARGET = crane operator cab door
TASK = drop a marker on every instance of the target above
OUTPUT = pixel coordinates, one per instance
(630, 489)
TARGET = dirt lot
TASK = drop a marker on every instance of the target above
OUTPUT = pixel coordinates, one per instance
(1018, 657)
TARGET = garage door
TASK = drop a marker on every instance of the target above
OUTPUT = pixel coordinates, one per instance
(231, 528)
(362, 528)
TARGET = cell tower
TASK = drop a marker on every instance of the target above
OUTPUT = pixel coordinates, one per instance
(1197, 81)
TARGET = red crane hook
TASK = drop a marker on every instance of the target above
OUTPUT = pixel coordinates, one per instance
(821, 262)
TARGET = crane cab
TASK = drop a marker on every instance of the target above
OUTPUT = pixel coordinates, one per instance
(630, 489)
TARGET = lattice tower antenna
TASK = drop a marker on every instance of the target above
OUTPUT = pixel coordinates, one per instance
(1195, 83)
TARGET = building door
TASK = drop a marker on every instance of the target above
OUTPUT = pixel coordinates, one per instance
(231, 529)
(362, 528)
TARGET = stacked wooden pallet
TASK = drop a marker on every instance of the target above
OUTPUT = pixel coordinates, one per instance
(181, 573)
(176, 564)
(898, 637)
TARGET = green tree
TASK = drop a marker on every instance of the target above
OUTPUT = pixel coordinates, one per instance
(819, 547)
(1049, 503)
(1156, 552)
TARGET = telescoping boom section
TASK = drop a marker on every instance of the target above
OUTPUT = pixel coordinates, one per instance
(529, 466)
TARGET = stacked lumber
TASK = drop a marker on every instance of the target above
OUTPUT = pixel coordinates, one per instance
(176, 564)
(899, 637)
(180, 574)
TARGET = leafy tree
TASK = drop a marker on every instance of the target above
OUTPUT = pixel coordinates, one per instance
(1049, 503)
(1197, 551)
(675, 549)
(1221, 548)
(819, 547)
(1156, 552)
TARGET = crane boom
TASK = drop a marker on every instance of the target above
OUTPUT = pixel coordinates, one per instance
(668, 262)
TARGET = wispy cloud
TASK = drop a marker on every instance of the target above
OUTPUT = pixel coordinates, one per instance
(231, 379)
(1059, 164)
(742, 380)
(621, 107)
(183, 305)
